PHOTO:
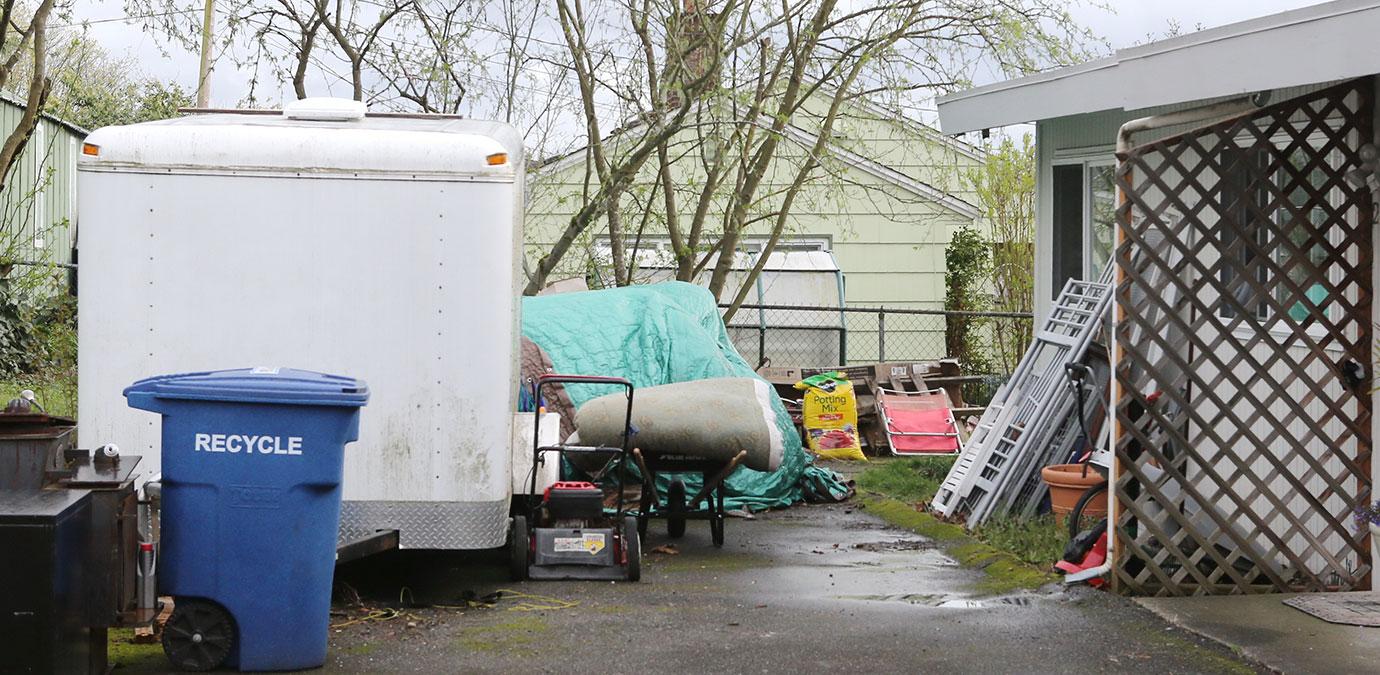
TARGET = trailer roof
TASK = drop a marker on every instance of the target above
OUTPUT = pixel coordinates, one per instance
(271, 143)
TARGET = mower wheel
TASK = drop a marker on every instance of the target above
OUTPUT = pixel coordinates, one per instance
(675, 509)
(632, 548)
(519, 545)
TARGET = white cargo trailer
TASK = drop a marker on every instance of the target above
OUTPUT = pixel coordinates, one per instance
(384, 247)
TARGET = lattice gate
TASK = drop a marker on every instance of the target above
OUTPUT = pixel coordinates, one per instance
(1244, 349)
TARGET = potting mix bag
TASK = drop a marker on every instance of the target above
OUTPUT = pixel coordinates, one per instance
(831, 419)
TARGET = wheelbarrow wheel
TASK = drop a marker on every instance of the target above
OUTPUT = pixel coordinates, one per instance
(519, 545)
(632, 548)
(716, 530)
(675, 509)
(198, 635)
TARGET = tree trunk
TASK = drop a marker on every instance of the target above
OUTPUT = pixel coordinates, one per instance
(39, 86)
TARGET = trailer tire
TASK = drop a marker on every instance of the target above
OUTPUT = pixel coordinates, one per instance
(519, 545)
(675, 509)
(632, 548)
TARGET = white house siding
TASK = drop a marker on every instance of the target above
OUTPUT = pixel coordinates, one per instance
(1231, 451)
(1090, 136)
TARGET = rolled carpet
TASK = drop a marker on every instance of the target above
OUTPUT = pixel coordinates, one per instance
(711, 419)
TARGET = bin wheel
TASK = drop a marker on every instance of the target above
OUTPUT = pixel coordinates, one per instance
(519, 545)
(675, 509)
(716, 530)
(198, 635)
(632, 548)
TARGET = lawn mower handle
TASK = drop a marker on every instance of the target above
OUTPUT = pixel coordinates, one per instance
(556, 378)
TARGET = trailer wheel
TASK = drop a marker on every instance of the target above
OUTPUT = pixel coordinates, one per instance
(675, 509)
(632, 548)
(519, 545)
(198, 635)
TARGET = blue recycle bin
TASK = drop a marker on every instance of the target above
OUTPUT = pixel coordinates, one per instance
(252, 466)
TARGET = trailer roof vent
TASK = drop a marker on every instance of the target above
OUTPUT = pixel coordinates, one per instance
(325, 109)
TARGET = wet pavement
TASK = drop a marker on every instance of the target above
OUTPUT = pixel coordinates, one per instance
(808, 589)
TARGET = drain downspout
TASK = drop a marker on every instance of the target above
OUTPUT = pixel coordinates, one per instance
(1214, 112)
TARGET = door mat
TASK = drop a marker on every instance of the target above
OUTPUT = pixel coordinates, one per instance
(1351, 609)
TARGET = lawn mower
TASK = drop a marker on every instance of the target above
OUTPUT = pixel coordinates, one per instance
(565, 532)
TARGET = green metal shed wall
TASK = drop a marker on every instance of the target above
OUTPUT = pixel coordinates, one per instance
(38, 204)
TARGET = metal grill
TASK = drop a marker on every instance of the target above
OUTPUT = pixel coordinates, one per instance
(1243, 342)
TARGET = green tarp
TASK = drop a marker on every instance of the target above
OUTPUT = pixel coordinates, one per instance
(651, 335)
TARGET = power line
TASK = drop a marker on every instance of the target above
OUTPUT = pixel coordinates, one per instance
(126, 18)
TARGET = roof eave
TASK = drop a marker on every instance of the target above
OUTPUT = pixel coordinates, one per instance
(1310, 45)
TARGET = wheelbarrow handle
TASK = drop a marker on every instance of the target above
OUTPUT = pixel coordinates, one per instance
(556, 378)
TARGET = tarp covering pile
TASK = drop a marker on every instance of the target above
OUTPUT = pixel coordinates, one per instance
(653, 335)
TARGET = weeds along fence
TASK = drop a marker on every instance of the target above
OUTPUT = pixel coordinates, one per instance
(805, 336)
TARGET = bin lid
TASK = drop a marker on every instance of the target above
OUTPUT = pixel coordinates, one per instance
(256, 385)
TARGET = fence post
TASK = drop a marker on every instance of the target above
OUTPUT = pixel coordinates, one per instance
(881, 334)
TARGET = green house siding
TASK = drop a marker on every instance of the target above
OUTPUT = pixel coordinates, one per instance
(38, 205)
(888, 240)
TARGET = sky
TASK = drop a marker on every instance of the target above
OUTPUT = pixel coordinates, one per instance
(1130, 22)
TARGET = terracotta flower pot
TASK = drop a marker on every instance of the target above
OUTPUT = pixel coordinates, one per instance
(1066, 484)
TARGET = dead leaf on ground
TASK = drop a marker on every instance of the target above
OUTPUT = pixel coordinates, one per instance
(667, 549)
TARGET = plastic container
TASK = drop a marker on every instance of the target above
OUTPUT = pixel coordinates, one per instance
(252, 467)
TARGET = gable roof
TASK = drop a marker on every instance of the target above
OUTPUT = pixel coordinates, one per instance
(852, 159)
(1322, 43)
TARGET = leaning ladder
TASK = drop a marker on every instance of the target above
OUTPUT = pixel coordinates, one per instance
(1020, 411)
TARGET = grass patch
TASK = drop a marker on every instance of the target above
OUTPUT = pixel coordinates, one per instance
(1012, 554)
(912, 479)
(57, 395)
(1038, 541)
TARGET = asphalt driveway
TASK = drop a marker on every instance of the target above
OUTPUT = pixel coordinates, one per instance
(808, 589)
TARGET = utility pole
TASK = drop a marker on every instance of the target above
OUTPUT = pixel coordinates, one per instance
(203, 88)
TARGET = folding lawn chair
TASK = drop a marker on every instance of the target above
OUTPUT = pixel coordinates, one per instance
(919, 422)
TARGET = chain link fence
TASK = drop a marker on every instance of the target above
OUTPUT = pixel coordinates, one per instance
(812, 337)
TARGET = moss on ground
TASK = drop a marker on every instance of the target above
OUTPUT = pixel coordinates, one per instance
(362, 649)
(1013, 554)
(507, 635)
(127, 655)
(1003, 572)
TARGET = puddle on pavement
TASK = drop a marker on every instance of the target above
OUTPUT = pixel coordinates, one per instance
(943, 601)
(899, 545)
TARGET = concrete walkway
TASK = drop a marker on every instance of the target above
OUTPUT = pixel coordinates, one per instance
(1265, 630)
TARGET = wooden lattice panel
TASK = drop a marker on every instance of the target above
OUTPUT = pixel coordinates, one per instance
(1244, 343)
